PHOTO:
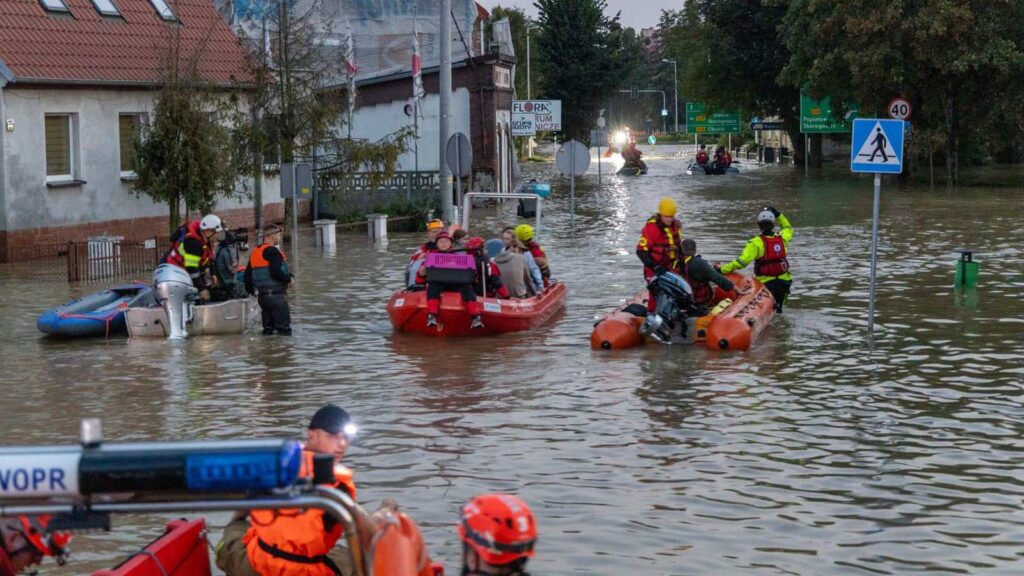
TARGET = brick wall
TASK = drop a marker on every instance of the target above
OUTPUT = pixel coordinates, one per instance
(35, 243)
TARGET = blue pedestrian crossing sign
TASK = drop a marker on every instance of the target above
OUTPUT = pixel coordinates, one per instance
(877, 146)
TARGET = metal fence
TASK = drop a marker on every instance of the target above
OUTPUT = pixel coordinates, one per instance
(110, 257)
(343, 194)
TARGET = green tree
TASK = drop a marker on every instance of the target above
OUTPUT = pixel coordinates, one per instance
(945, 55)
(730, 54)
(183, 156)
(580, 50)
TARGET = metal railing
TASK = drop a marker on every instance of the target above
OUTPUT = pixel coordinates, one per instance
(111, 257)
(340, 193)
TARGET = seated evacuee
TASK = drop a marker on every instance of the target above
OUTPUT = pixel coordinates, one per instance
(702, 155)
(495, 286)
(24, 542)
(435, 289)
(434, 228)
(225, 268)
(498, 533)
(295, 542)
(524, 233)
(767, 251)
(701, 275)
(511, 242)
(515, 274)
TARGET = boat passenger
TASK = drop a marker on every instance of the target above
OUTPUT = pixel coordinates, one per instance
(524, 233)
(515, 273)
(192, 249)
(495, 286)
(296, 542)
(268, 275)
(702, 155)
(768, 251)
(658, 247)
(498, 533)
(435, 289)
(722, 161)
(434, 228)
(24, 542)
(459, 238)
(701, 275)
(508, 238)
(225, 266)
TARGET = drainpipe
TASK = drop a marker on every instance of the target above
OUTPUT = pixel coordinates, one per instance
(4, 79)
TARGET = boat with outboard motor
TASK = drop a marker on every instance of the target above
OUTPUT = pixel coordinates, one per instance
(633, 169)
(695, 169)
(734, 323)
(98, 314)
(407, 308)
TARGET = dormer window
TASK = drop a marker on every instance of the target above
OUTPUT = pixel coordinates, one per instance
(106, 7)
(57, 6)
(164, 10)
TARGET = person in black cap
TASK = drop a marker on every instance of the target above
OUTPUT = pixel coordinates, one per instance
(267, 275)
(269, 542)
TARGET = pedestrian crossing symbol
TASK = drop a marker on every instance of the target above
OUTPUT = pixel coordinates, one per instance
(877, 146)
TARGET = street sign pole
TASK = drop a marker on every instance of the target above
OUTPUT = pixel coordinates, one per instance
(572, 197)
(807, 153)
(874, 256)
(458, 172)
(444, 111)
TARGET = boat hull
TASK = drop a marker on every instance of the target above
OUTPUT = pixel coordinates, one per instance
(408, 313)
(229, 317)
(98, 314)
(182, 551)
(735, 328)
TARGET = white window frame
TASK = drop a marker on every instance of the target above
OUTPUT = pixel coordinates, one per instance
(55, 6)
(114, 10)
(143, 121)
(164, 10)
(72, 148)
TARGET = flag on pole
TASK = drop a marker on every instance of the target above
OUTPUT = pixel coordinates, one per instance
(417, 70)
(350, 63)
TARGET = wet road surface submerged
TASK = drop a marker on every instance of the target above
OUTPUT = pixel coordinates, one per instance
(813, 453)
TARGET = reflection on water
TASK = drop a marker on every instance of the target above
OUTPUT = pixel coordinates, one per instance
(811, 454)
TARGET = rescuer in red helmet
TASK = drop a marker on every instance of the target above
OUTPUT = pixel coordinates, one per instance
(498, 532)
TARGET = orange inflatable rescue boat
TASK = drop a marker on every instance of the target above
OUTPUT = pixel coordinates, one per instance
(739, 317)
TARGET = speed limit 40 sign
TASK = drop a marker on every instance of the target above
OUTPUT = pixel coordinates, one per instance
(899, 109)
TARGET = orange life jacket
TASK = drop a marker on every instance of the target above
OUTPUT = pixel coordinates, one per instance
(295, 542)
(774, 262)
(397, 549)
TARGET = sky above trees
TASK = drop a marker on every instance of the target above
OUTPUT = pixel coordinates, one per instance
(636, 14)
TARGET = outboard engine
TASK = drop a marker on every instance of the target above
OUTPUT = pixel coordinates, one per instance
(675, 302)
(175, 291)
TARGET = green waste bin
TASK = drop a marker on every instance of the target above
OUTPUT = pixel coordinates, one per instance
(966, 270)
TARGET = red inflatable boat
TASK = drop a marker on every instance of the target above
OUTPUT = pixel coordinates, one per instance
(734, 328)
(408, 312)
(182, 551)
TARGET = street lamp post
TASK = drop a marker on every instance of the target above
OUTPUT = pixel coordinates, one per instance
(529, 91)
(675, 82)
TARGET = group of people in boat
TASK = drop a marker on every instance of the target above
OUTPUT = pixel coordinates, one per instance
(498, 531)
(662, 248)
(515, 266)
(209, 252)
(717, 165)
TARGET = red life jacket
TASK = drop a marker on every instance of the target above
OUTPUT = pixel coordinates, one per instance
(774, 262)
(702, 157)
(189, 230)
(662, 242)
(538, 252)
(703, 293)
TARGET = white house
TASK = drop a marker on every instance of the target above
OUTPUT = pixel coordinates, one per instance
(77, 77)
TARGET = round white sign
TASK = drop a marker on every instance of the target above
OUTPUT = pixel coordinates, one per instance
(899, 109)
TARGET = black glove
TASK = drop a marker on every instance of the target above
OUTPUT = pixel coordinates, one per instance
(775, 212)
(659, 270)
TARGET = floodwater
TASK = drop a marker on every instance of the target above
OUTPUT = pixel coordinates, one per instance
(813, 453)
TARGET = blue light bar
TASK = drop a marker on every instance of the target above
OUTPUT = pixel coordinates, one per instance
(249, 471)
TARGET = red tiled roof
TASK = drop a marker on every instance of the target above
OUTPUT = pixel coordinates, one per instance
(91, 49)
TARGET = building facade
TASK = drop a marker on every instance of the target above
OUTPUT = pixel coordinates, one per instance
(77, 79)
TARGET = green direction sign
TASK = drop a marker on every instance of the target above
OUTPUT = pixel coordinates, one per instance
(700, 121)
(817, 116)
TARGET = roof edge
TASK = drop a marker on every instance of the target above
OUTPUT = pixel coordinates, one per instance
(110, 83)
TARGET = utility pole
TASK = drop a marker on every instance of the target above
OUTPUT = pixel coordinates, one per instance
(675, 85)
(445, 89)
(529, 89)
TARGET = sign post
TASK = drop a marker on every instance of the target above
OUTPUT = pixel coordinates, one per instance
(877, 148)
(817, 117)
(573, 158)
(459, 156)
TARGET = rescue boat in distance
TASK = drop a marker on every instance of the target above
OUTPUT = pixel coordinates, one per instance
(408, 312)
(734, 327)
